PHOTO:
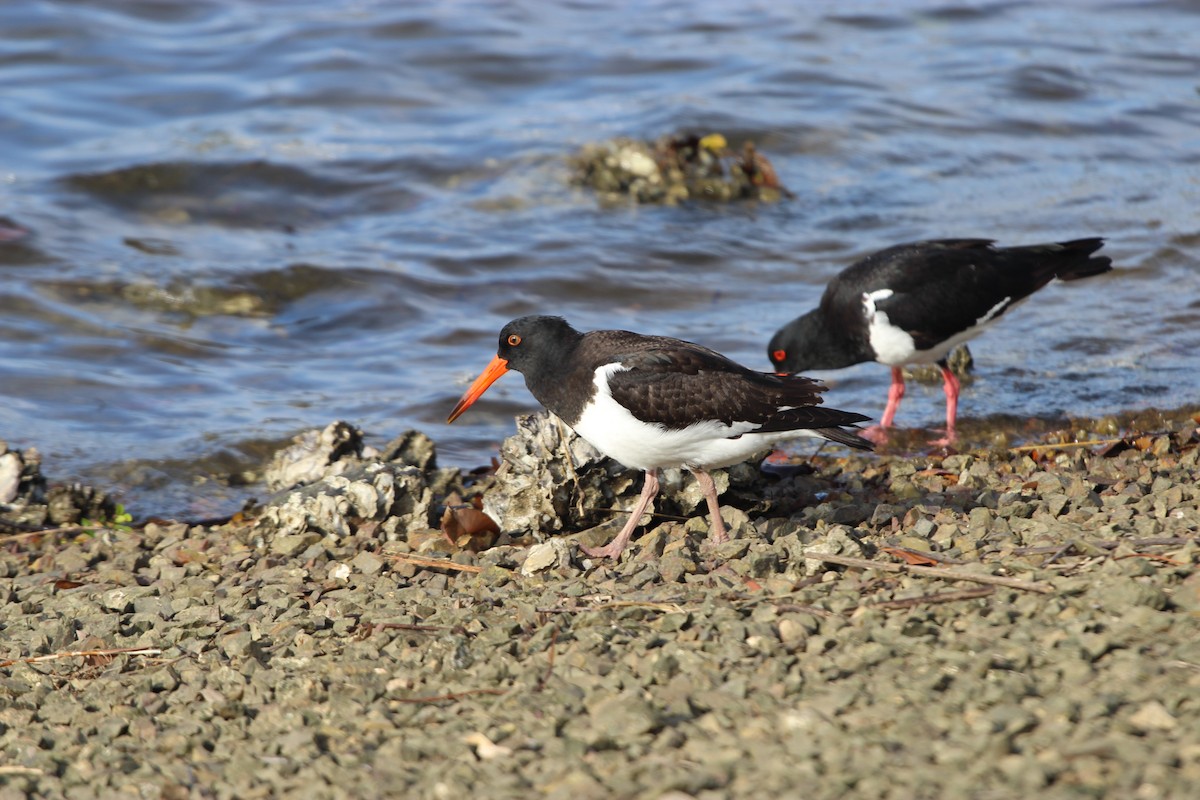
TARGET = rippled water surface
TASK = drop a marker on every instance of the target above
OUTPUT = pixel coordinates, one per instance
(223, 222)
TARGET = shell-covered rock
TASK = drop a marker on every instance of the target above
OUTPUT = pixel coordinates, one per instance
(344, 485)
(551, 481)
(29, 501)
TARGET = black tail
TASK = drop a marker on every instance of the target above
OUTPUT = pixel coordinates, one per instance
(848, 438)
(1075, 260)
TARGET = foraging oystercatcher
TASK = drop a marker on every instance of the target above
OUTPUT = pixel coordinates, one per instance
(913, 303)
(652, 402)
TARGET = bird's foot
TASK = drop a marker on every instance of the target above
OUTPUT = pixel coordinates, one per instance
(611, 550)
(875, 433)
(946, 443)
(716, 537)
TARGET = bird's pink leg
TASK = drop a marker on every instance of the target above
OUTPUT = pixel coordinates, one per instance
(717, 534)
(878, 433)
(617, 546)
(951, 386)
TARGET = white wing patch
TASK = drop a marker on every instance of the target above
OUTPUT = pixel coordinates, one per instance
(894, 347)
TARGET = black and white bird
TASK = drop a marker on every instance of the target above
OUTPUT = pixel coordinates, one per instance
(913, 303)
(652, 402)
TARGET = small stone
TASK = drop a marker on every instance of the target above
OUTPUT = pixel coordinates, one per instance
(551, 554)
(367, 563)
(1153, 716)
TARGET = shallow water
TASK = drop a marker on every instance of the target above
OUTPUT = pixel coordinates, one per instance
(228, 221)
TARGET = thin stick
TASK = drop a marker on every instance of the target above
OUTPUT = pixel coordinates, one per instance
(1109, 544)
(934, 572)
(404, 626)
(666, 608)
(11, 769)
(438, 698)
(939, 597)
(1029, 448)
(113, 651)
(541, 684)
(422, 561)
(17, 537)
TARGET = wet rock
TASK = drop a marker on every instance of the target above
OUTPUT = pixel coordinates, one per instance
(675, 169)
(314, 455)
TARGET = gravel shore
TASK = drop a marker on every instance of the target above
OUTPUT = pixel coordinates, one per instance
(1028, 625)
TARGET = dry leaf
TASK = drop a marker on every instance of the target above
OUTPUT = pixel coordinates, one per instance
(911, 557)
(467, 528)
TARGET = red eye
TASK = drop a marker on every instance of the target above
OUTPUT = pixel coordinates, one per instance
(513, 340)
(779, 355)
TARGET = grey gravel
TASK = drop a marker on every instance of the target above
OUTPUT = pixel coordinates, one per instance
(318, 659)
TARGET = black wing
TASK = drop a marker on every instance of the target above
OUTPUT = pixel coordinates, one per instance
(678, 384)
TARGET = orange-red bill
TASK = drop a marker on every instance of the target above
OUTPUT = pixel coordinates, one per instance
(494, 370)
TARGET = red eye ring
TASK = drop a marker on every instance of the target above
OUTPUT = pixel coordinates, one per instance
(513, 340)
(779, 355)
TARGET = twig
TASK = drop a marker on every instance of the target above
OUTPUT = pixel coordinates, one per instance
(934, 572)
(653, 515)
(666, 608)
(923, 554)
(439, 698)
(939, 597)
(1152, 557)
(404, 626)
(113, 651)
(422, 561)
(795, 608)
(12, 769)
(1029, 448)
(17, 537)
(1110, 544)
(541, 684)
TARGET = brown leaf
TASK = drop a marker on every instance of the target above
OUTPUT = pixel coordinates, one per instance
(66, 584)
(1113, 448)
(467, 528)
(912, 557)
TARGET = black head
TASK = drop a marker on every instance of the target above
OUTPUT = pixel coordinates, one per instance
(789, 349)
(529, 344)
(810, 342)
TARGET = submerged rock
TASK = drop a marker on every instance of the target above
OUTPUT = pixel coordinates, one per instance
(676, 168)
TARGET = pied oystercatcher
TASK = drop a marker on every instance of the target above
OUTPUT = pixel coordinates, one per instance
(652, 402)
(913, 303)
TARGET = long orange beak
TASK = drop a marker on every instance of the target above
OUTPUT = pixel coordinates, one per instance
(494, 370)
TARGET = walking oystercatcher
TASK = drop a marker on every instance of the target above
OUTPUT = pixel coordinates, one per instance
(652, 402)
(913, 303)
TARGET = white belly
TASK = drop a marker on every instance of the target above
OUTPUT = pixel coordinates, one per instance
(610, 428)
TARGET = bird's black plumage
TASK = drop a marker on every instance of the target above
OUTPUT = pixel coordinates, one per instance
(662, 380)
(939, 289)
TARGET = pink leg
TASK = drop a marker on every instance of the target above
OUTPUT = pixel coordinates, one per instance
(717, 534)
(878, 433)
(895, 395)
(617, 546)
(951, 386)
